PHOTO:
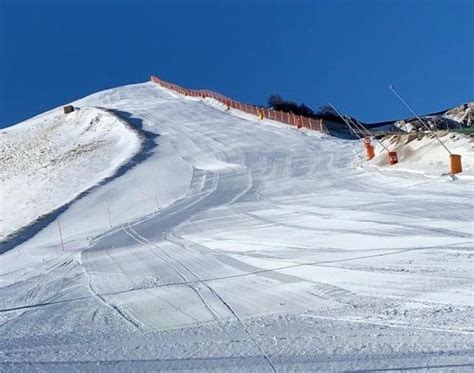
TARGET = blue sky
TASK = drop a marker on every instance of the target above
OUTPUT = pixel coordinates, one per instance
(345, 52)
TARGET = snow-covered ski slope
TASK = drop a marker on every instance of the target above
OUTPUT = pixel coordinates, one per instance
(243, 245)
(50, 159)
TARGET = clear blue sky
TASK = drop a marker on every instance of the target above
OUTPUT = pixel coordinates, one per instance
(344, 52)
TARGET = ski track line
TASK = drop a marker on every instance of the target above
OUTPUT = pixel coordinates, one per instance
(154, 248)
(195, 289)
(318, 263)
(227, 305)
(99, 296)
(32, 293)
(172, 208)
(222, 278)
(42, 277)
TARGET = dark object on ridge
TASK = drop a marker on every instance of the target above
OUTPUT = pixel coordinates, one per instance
(277, 103)
(325, 112)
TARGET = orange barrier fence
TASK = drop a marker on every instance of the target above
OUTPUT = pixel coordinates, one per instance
(298, 121)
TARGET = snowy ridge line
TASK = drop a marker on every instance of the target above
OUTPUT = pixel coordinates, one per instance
(146, 143)
(298, 121)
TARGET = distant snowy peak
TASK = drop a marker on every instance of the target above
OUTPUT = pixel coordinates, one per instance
(433, 122)
(461, 116)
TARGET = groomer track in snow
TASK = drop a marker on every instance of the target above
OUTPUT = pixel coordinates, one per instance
(243, 244)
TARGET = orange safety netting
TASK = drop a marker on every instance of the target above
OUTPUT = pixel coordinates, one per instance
(280, 116)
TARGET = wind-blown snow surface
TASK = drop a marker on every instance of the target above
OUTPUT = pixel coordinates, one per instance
(241, 244)
(50, 159)
(422, 153)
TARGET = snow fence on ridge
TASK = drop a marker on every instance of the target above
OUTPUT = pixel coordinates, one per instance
(298, 121)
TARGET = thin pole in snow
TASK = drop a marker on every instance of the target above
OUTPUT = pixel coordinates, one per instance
(416, 115)
(110, 220)
(359, 127)
(157, 204)
(60, 235)
(345, 121)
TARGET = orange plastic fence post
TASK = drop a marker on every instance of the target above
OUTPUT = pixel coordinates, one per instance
(455, 163)
(298, 122)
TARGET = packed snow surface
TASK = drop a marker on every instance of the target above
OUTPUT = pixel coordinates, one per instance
(243, 245)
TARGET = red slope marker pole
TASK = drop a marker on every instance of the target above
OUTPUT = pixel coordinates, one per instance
(60, 235)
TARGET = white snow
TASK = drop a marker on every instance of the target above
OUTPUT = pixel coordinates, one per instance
(246, 245)
(50, 159)
(422, 153)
